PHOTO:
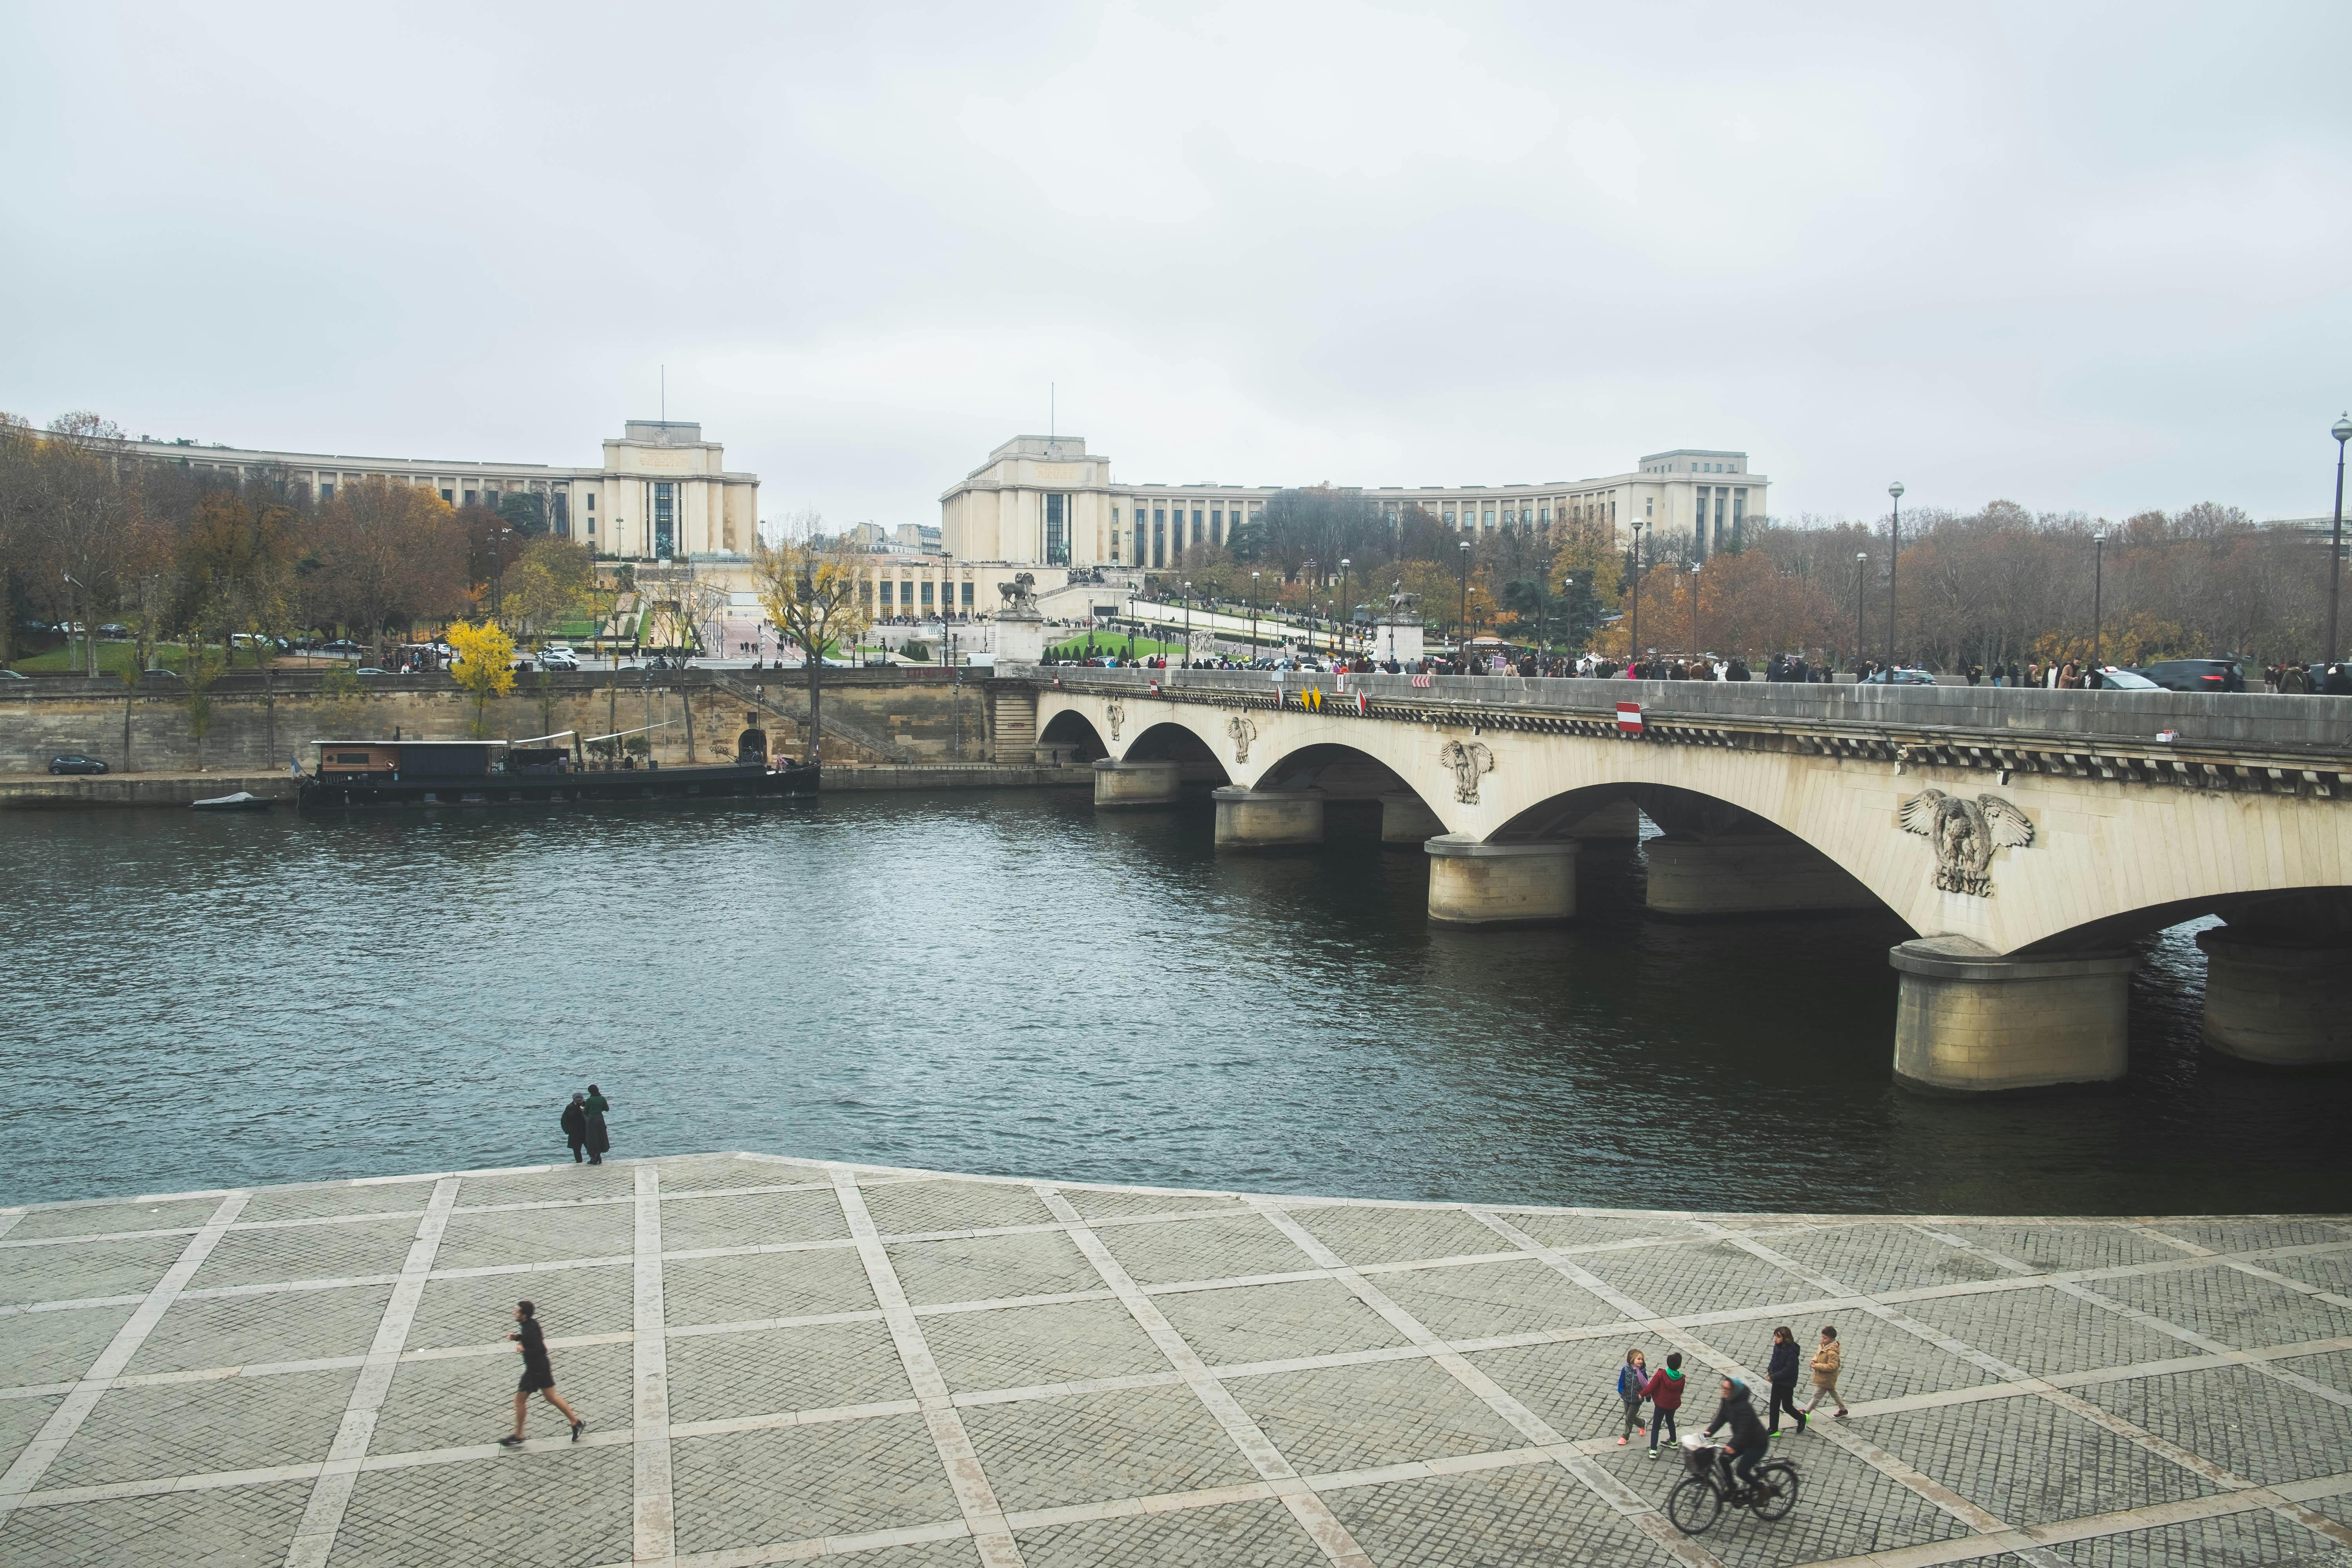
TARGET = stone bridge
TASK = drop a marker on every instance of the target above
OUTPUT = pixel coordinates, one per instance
(2025, 836)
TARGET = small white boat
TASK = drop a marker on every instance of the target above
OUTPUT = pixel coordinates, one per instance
(243, 800)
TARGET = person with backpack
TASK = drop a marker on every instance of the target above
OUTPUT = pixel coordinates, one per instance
(1664, 1392)
(1632, 1378)
(1825, 1365)
(1782, 1371)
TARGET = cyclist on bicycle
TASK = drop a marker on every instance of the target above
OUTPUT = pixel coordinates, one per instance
(1748, 1441)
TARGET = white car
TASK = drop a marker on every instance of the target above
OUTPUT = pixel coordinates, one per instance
(558, 658)
(2117, 679)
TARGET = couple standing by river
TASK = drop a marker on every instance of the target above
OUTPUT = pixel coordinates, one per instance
(584, 1126)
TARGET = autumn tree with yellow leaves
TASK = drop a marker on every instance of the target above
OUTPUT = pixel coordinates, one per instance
(810, 591)
(482, 660)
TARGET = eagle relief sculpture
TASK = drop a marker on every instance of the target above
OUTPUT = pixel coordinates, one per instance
(1114, 714)
(1244, 730)
(1467, 760)
(1965, 833)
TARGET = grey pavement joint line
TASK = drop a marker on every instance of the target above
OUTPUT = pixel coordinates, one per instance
(653, 1522)
(983, 1514)
(26, 1474)
(1304, 1504)
(1619, 1496)
(314, 1539)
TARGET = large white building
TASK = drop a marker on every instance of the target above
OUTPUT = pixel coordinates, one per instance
(661, 491)
(1045, 500)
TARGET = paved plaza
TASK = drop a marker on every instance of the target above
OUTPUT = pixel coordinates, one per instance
(783, 1360)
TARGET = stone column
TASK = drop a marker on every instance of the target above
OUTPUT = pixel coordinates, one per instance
(1123, 786)
(1268, 819)
(1405, 820)
(1969, 1019)
(2283, 1003)
(1695, 878)
(1474, 884)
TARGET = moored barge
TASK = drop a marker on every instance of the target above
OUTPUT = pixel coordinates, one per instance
(494, 772)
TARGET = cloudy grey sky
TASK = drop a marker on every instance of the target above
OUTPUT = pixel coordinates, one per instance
(2079, 256)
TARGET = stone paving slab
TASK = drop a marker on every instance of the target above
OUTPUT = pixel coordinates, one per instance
(784, 1360)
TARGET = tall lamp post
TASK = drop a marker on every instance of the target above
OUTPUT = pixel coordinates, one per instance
(2343, 433)
(1188, 626)
(1253, 587)
(1344, 609)
(1893, 555)
(1694, 581)
(1567, 592)
(1861, 580)
(1634, 639)
(2098, 574)
(1461, 635)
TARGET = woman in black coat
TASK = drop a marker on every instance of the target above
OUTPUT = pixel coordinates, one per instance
(575, 1125)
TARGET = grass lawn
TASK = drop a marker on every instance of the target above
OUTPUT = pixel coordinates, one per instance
(113, 658)
(1120, 646)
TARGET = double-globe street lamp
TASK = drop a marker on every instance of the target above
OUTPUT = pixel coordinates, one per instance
(1693, 582)
(2098, 575)
(1463, 636)
(2343, 433)
(1345, 609)
(1634, 639)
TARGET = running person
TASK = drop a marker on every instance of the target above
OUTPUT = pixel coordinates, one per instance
(539, 1375)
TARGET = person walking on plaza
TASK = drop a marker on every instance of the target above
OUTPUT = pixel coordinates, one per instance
(575, 1125)
(1825, 1363)
(1632, 1378)
(537, 1375)
(1664, 1392)
(599, 1139)
(1782, 1371)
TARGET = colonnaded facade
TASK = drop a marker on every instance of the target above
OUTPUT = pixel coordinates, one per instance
(661, 491)
(1045, 500)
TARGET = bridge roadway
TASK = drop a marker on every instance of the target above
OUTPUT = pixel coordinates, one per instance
(2025, 836)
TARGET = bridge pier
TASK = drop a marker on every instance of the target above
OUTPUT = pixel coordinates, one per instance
(1474, 884)
(1968, 1019)
(1124, 786)
(1407, 822)
(1699, 879)
(1268, 819)
(2284, 1003)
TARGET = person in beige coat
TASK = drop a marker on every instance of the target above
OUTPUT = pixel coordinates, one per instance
(1825, 1363)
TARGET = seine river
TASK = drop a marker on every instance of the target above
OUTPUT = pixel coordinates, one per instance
(1011, 983)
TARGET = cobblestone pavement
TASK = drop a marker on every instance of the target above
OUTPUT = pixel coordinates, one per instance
(783, 1360)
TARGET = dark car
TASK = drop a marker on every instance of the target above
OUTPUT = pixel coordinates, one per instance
(114, 629)
(342, 647)
(75, 762)
(1898, 678)
(2196, 674)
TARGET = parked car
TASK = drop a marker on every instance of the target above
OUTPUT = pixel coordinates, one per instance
(342, 647)
(2196, 674)
(114, 629)
(13, 675)
(75, 762)
(558, 658)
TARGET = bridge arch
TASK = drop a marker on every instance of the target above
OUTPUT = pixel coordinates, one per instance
(1070, 735)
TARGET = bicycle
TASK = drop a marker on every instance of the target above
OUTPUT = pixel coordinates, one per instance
(1699, 1498)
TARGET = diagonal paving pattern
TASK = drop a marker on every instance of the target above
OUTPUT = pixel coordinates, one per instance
(786, 1360)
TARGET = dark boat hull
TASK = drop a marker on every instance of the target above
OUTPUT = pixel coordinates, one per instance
(553, 789)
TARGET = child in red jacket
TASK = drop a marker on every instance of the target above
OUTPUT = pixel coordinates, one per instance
(1664, 1392)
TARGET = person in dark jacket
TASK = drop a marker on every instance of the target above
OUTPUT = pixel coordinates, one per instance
(1738, 1411)
(599, 1139)
(1782, 1371)
(1664, 1392)
(537, 1375)
(575, 1125)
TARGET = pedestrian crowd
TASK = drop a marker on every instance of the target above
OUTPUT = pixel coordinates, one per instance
(1661, 1390)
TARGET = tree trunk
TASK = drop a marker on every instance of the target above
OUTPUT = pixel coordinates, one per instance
(816, 694)
(126, 730)
(686, 701)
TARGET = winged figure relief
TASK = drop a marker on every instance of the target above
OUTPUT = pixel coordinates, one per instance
(1965, 833)
(1114, 714)
(1468, 761)
(1244, 730)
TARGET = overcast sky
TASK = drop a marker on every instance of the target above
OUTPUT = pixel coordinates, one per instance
(2075, 256)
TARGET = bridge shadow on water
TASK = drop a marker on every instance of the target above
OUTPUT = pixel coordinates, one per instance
(1016, 982)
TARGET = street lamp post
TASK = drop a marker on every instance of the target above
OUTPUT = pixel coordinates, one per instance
(1345, 609)
(1567, 592)
(1634, 639)
(1693, 582)
(1893, 555)
(1462, 631)
(1188, 626)
(2343, 433)
(1860, 579)
(1253, 592)
(2098, 574)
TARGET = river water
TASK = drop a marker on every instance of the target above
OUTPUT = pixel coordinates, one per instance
(1011, 983)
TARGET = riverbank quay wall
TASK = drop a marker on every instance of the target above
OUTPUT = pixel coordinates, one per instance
(2025, 837)
(898, 717)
